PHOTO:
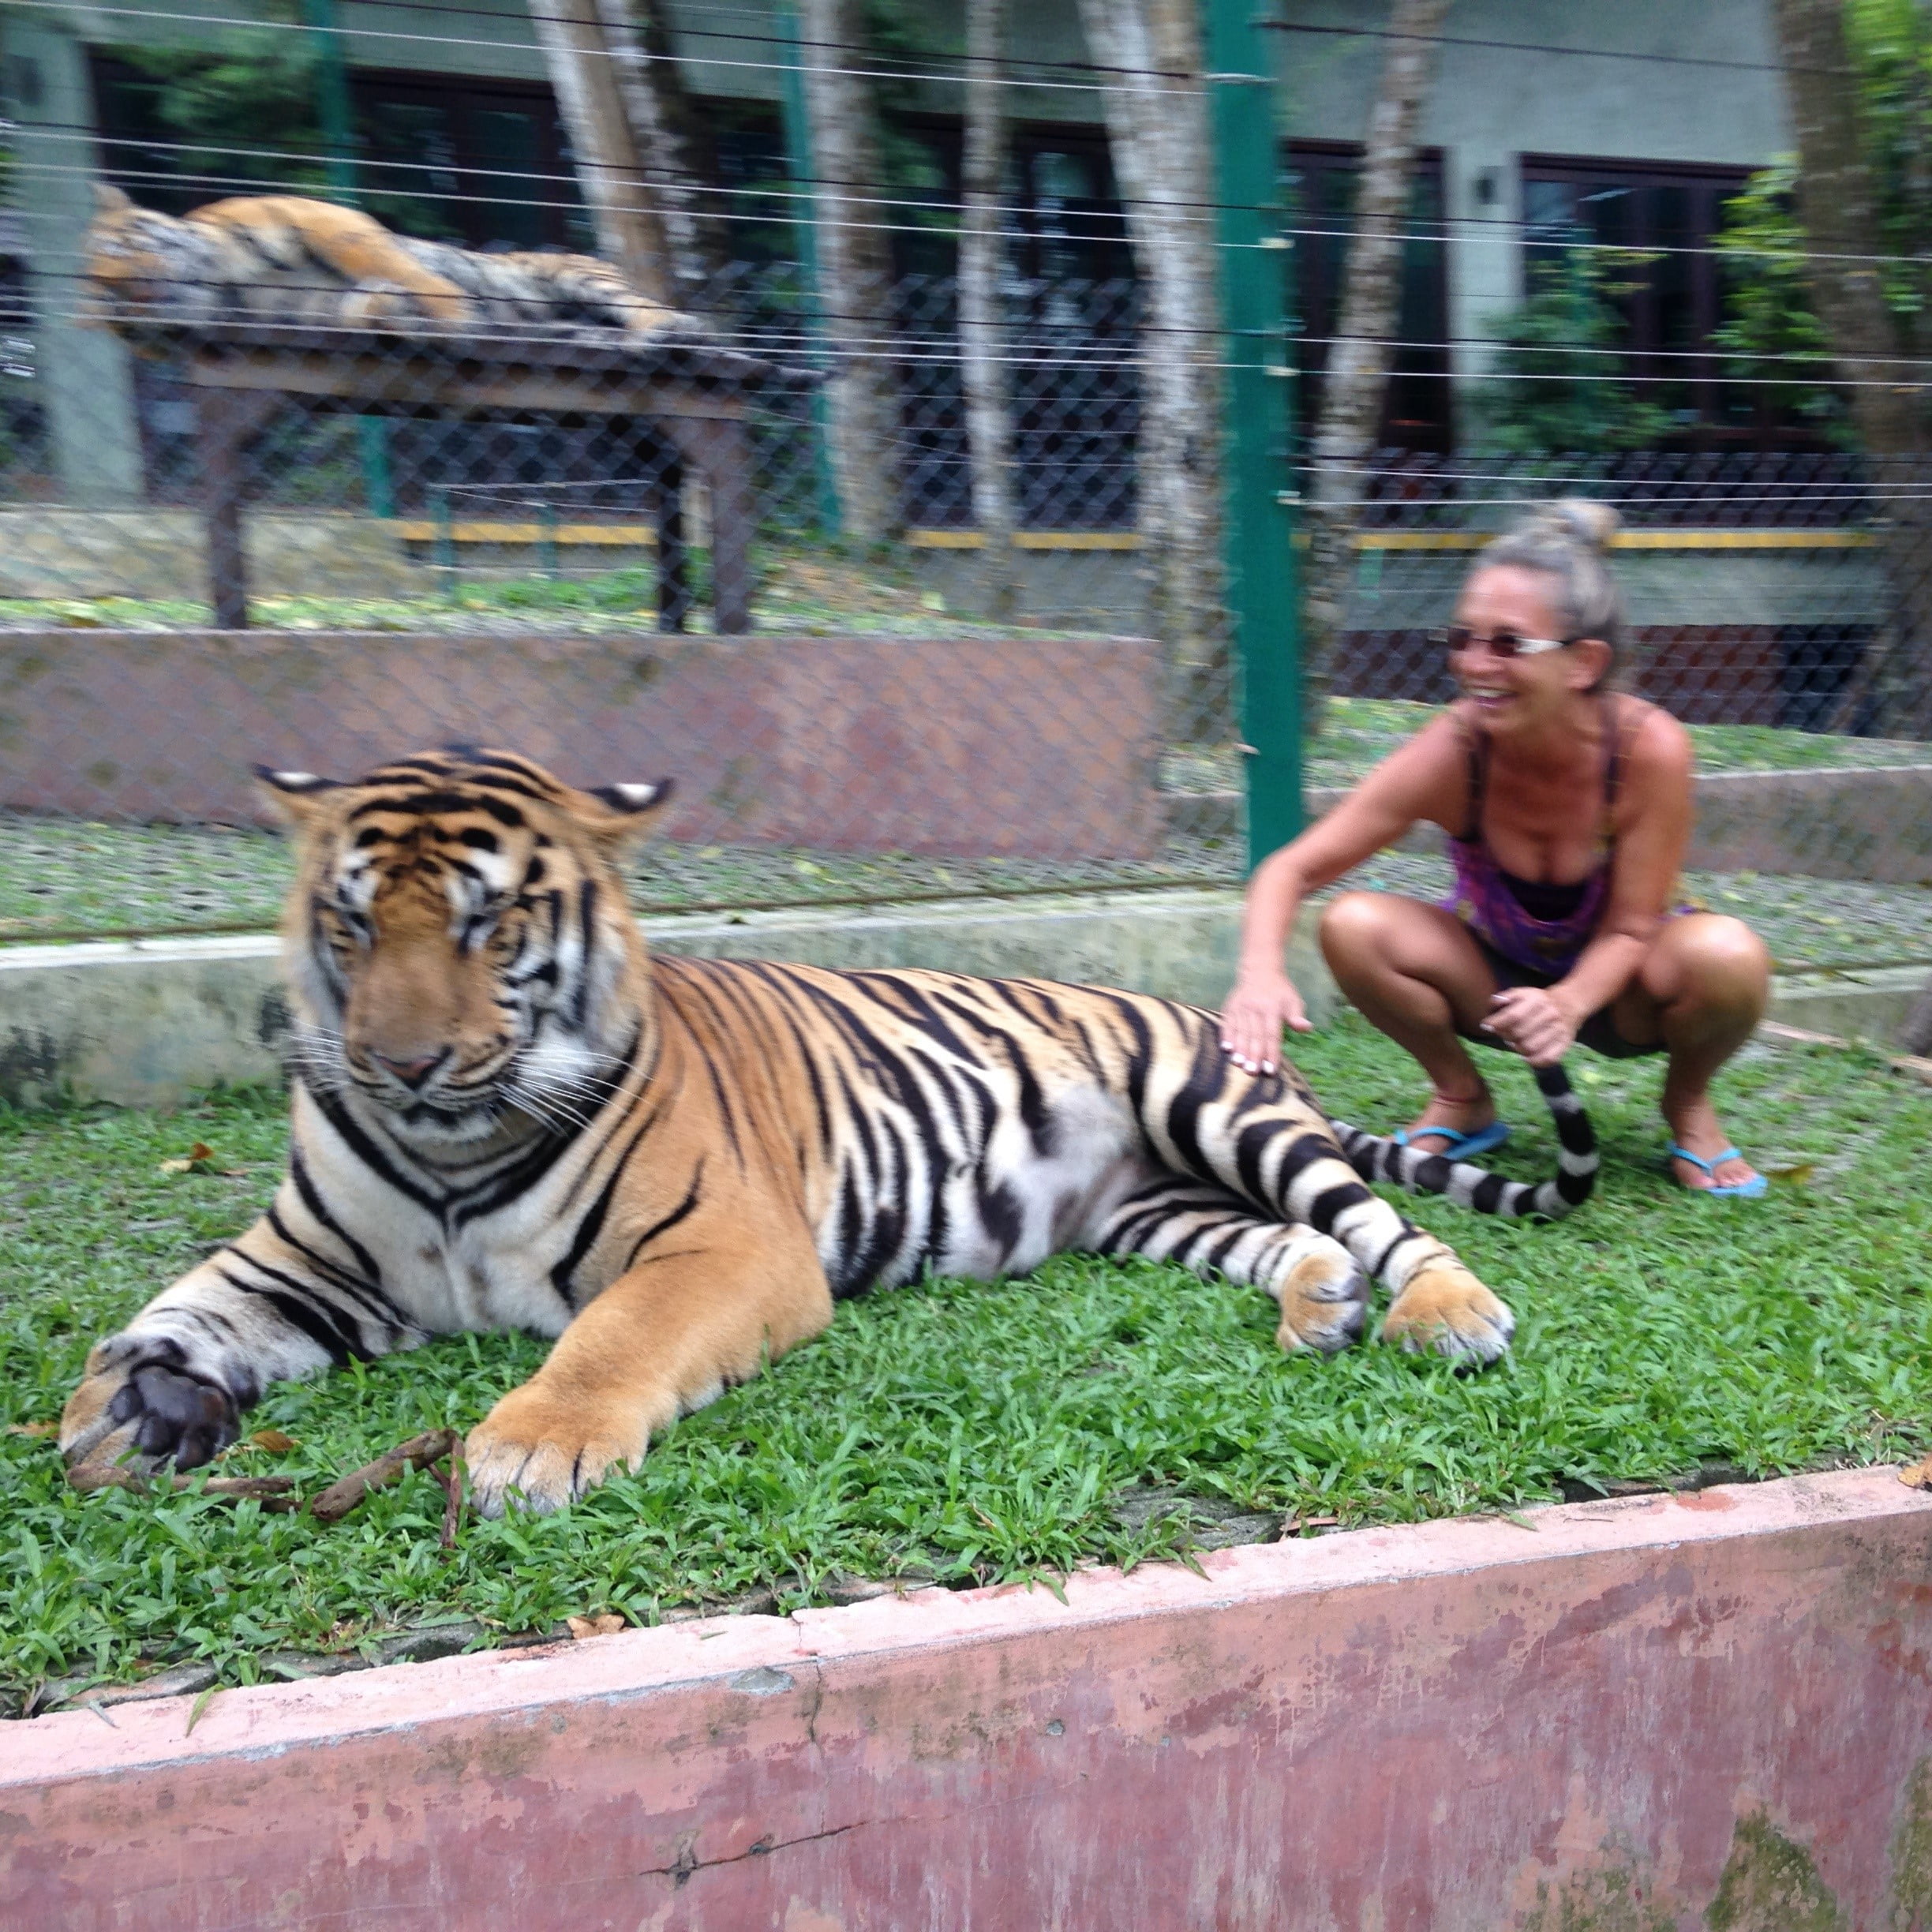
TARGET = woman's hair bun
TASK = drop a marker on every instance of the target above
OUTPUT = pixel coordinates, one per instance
(1568, 541)
(1582, 519)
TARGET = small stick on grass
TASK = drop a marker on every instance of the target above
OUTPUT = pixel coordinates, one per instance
(419, 1452)
(455, 1480)
(273, 1492)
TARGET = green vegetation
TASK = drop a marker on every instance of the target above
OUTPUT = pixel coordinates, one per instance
(1361, 731)
(241, 106)
(962, 1432)
(825, 590)
(1768, 304)
(1769, 326)
(1560, 386)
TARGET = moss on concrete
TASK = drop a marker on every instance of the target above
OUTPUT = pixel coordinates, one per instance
(1771, 1884)
(1911, 1856)
(1616, 1899)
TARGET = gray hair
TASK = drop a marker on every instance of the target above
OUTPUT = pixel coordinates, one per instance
(1567, 540)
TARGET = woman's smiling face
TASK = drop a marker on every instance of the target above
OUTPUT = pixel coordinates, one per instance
(1510, 693)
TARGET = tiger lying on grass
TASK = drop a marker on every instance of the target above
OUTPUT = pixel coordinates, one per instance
(285, 259)
(507, 1114)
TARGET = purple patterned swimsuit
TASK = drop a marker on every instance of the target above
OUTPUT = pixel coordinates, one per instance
(1540, 928)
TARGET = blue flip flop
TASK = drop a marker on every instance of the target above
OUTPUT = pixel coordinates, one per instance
(1462, 1146)
(1737, 1190)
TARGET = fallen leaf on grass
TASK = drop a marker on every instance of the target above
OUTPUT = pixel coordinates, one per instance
(1796, 1175)
(273, 1440)
(1917, 1475)
(33, 1429)
(605, 1623)
(195, 1161)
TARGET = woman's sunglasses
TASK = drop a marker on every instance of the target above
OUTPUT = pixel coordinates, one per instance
(1459, 638)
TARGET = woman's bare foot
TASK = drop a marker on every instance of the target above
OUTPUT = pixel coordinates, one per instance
(1466, 1114)
(1692, 1124)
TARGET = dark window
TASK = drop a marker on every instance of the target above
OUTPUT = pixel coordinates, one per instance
(1666, 281)
(480, 162)
(1321, 179)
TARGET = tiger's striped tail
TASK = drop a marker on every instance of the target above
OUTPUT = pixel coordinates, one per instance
(1376, 1158)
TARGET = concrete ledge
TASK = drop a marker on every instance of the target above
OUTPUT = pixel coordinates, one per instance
(145, 1023)
(1870, 824)
(1867, 1006)
(1464, 1725)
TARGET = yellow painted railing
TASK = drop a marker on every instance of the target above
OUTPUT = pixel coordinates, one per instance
(644, 536)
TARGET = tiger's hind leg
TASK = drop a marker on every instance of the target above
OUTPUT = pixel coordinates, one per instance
(1323, 1294)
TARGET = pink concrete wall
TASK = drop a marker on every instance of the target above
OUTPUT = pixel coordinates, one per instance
(1039, 748)
(1607, 1720)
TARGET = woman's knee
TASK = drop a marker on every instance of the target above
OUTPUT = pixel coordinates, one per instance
(1710, 959)
(1358, 930)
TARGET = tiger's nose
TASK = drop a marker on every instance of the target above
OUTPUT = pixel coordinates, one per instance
(411, 1073)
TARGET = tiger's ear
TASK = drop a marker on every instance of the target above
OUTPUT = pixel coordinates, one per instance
(109, 199)
(619, 814)
(292, 796)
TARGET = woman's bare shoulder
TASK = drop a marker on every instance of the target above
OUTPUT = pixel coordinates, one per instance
(1444, 740)
(1425, 775)
(1655, 744)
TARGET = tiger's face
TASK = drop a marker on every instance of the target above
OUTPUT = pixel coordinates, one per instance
(138, 256)
(460, 949)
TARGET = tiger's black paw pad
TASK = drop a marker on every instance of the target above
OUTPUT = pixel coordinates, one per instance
(178, 1416)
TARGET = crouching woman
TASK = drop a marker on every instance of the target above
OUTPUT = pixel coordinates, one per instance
(1567, 807)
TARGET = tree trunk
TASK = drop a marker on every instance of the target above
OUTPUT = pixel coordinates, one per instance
(629, 231)
(855, 267)
(664, 128)
(1356, 384)
(983, 372)
(1156, 109)
(1837, 211)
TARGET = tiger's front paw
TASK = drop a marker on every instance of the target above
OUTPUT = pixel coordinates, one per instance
(138, 1408)
(1445, 1310)
(542, 1452)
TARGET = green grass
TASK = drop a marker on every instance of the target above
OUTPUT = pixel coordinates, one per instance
(1360, 732)
(821, 590)
(64, 878)
(965, 1432)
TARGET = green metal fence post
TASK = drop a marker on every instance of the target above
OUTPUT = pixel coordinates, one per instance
(797, 125)
(443, 553)
(1264, 592)
(338, 119)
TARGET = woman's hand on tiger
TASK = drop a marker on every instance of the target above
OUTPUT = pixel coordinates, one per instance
(1257, 1010)
(1535, 1022)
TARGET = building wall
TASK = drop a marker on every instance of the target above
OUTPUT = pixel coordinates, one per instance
(1632, 97)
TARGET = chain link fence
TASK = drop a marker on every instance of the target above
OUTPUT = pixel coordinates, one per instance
(606, 587)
